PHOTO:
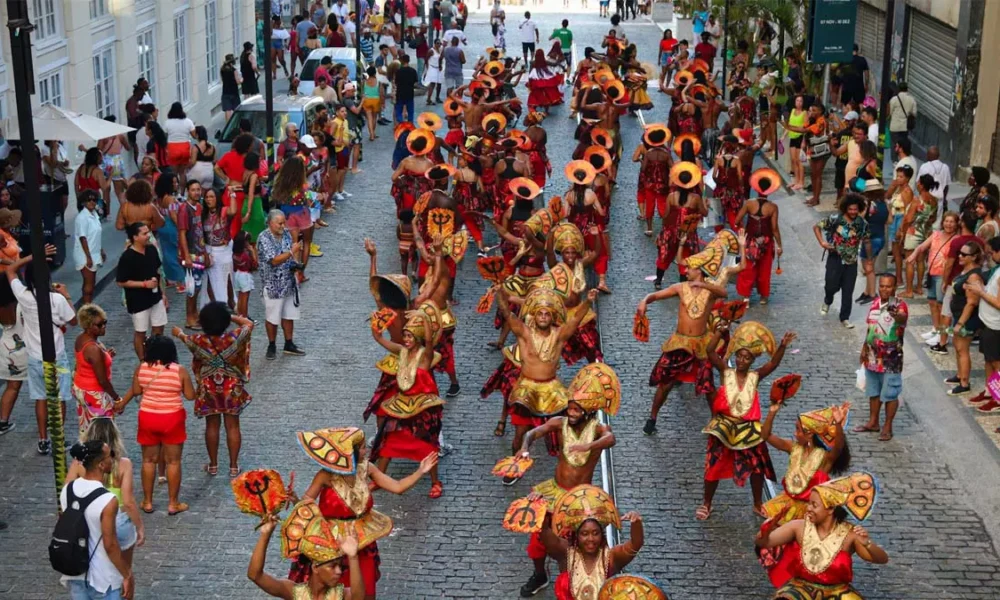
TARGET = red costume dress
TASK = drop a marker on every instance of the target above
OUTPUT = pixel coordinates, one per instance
(820, 568)
(455, 137)
(539, 162)
(357, 508)
(505, 173)
(470, 200)
(678, 234)
(802, 476)
(729, 189)
(408, 188)
(654, 185)
(736, 449)
(590, 223)
(543, 88)
(759, 253)
(413, 416)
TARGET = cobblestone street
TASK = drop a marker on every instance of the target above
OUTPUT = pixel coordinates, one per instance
(928, 518)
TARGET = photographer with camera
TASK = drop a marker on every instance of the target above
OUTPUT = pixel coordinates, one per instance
(279, 260)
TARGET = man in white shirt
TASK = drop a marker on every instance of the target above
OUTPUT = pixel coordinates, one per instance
(901, 107)
(941, 174)
(870, 118)
(108, 573)
(27, 313)
(904, 157)
(340, 9)
(454, 32)
(529, 37)
(351, 29)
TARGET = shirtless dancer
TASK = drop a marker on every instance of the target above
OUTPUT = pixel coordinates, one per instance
(684, 357)
(541, 336)
(477, 108)
(437, 285)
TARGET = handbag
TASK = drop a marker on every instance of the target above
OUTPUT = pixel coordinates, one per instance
(911, 120)
(819, 146)
(927, 278)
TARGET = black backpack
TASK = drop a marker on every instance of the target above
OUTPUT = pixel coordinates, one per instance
(68, 551)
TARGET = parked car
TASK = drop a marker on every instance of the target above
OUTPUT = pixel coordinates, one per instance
(300, 110)
(345, 56)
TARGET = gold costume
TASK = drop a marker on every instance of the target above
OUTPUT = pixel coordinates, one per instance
(540, 398)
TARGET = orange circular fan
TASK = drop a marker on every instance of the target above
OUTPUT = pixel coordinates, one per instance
(525, 516)
(513, 466)
(261, 492)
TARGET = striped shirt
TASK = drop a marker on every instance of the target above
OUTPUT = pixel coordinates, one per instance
(161, 388)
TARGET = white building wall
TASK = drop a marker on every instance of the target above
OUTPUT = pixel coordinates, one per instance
(69, 54)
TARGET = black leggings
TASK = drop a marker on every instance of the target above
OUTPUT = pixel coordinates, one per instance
(840, 277)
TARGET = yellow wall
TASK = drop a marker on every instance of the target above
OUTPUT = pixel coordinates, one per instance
(988, 89)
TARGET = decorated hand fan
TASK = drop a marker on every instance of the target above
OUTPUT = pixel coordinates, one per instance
(441, 221)
(486, 301)
(640, 327)
(785, 387)
(731, 311)
(494, 268)
(421, 204)
(381, 319)
(513, 466)
(261, 492)
(773, 523)
(525, 516)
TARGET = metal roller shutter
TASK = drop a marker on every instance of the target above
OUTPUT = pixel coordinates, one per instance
(869, 31)
(930, 72)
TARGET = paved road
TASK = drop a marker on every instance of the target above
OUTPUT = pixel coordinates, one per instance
(454, 547)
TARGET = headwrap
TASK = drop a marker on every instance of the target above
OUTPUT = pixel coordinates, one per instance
(708, 260)
(752, 336)
(820, 424)
(333, 448)
(544, 298)
(596, 387)
(425, 317)
(583, 503)
(567, 235)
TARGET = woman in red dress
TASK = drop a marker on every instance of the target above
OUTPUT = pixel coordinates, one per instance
(538, 157)
(543, 84)
(822, 543)
(342, 489)
(728, 175)
(408, 181)
(412, 425)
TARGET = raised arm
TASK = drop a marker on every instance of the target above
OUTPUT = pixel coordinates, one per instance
(399, 486)
(768, 426)
(788, 532)
(567, 331)
(713, 342)
(373, 254)
(622, 554)
(278, 588)
(389, 345)
(779, 354)
(503, 305)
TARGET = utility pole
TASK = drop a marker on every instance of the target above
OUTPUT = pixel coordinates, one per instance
(20, 29)
(884, 92)
(268, 88)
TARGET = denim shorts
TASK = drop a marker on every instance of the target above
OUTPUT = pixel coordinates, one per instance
(894, 224)
(935, 293)
(886, 386)
(125, 528)
(877, 244)
(79, 589)
(36, 379)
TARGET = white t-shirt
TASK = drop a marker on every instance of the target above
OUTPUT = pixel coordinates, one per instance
(27, 314)
(873, 134)
(454, 33)
(941, 174)
(989, 315)
(529, 31)
(88, 226)
(178, 130)
(350, 28)
(283, 35)
(101, 574)
(341, 12)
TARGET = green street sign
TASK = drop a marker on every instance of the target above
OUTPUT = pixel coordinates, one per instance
(831, 31)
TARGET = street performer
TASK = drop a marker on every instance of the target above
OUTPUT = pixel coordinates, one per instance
(566, 240)
(437, 286)
(684, 357)
(736, 449)
(581, 439)
(541, 336)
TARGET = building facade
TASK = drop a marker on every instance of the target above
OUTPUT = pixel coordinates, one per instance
(89, 53)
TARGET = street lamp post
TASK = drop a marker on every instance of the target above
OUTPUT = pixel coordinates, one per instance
(20, 29)
(268, 88)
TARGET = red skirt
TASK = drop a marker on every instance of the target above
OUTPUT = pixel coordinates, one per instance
(455, 138)
(680, 366)
(446, 348)
(538, 172)
(410, 439)
(562, 588)
(368, 557)
(725, 463)
(502, 380)
(544, 92)
(585, 344)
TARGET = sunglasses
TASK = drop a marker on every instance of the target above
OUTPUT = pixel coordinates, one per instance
(966, 254)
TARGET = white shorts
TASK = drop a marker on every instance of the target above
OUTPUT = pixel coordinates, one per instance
(277, 310)
(242, 281)
(155, 316)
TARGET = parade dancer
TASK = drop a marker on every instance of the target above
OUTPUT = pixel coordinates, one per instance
(408, 180)
(736, 449)
(679, 233)
(585, 211)
(412, 426)
(341, 491)
(728, 175)
(538, 158)
(684, 355)
(436, 288)
(763, 236)
(580, 438)
(824, 541)
(818, 449)
(566, 240)
(542, 330)
(390, 291)
(654, 175)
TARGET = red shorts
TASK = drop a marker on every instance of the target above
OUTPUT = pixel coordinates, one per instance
(161, 428)
(344, 158)
(178, 154)
(650, 200)
(436, 23)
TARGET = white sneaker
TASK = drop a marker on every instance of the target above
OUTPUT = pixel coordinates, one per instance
(847, 324)
(347, 194)
(932, 334)
(931, 341)
(825, 309)
(338, 196)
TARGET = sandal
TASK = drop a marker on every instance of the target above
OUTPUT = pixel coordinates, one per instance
(886, 436)
(161, 479)
(703, 513)
(212, 470)
(604, 289)
(436, 490)
(147, 508)
(865, 429)
(234, 471)
(759, 511)
(501, 429)
(182, 507)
